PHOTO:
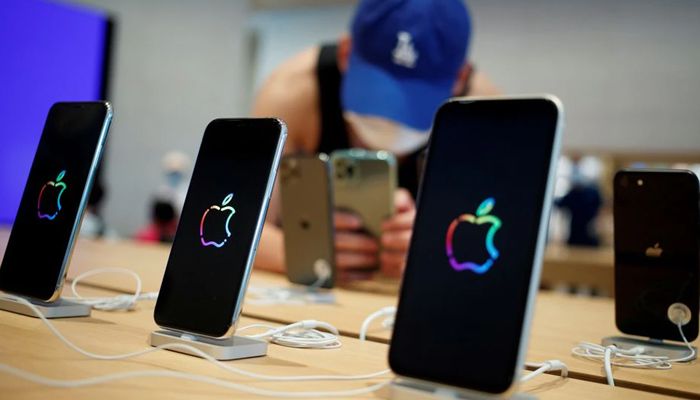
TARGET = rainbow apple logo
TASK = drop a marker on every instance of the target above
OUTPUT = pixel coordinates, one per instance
(222, 208)
(482, 217)
(52, 186)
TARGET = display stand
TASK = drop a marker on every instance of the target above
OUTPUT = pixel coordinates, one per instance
(407, 389)
(232, 348)
(653, 347)
(60, 308)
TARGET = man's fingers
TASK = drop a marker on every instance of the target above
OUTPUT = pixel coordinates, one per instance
(356, 242)
(392, 263)
(345, 260)
(403, 200)
(401, 221)
(399, 240)
(346, 221)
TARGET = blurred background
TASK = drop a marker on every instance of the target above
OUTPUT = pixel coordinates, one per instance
(628, 72)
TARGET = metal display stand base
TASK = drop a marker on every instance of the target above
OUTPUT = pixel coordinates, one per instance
(406, 389)
(58, 309)
(653, 347)
(232, 348)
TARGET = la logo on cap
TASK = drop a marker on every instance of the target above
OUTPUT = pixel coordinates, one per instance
(405, 54)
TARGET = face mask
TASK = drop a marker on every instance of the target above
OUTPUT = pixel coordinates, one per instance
(175, 178)
(383, 134)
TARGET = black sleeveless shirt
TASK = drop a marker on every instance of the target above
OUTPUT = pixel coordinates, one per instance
(334, 134)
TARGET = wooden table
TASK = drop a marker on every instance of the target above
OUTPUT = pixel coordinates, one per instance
(580, 266)
(560, 321)
(27, 344)
(562, 264)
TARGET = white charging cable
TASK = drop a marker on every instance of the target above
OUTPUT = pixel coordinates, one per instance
(388, 322)
(270, 295)
(390, 312)
(173, 346)
(300, 335)
(547, 366)
(635, 357)
(121, 302)
(185, 376)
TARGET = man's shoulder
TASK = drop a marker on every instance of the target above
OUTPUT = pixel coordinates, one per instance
(295, 79)
(291, 93)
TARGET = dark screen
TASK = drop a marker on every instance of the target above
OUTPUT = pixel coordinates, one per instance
(460, 318)
(53, 200)
(210, 256)
(656, 251)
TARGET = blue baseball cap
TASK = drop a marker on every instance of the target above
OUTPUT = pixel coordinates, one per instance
(405, 58)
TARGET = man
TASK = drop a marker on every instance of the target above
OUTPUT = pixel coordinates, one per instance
(376, 89)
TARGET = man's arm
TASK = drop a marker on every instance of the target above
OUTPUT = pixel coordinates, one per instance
(291, 95)
(481, 85)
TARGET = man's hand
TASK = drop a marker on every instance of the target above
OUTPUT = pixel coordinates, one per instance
(396, 234)
(353, 250)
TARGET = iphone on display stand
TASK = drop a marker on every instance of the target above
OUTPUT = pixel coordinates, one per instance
(657, 250)
(212, 256)
(51, 209)
(475, 257)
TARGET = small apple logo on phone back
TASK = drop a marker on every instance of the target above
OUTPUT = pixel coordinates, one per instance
(482, 217)
(44, 208)
(654, 252)
(224, 208)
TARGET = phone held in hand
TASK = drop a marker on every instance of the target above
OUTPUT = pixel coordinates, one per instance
(364, 183)
(307, 220)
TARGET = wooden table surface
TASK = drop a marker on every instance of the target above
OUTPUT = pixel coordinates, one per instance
(560, 321)
(27, 344)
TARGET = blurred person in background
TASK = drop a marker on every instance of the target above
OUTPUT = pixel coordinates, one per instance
(169, 199)
(176, 166)
(93, 225)
(377, 88)
(163, 224)
(582, 202)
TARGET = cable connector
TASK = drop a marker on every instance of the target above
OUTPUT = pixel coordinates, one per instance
(549, 365)
(556, 365)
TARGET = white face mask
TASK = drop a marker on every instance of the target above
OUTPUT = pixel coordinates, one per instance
(383, 134)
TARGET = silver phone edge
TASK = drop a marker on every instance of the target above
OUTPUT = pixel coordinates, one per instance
(258, 228)
(541, 243)
(83, 203)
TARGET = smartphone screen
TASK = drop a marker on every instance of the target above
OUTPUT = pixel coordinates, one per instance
(307, 219)
(656, 251)
(477, 244)
(214, 247)
(54, 198)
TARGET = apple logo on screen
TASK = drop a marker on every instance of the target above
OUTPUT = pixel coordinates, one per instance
(48, 187)
(224, 208)
(655, 251)
(482, 217)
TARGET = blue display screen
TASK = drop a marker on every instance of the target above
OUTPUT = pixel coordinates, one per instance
(51, 51)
